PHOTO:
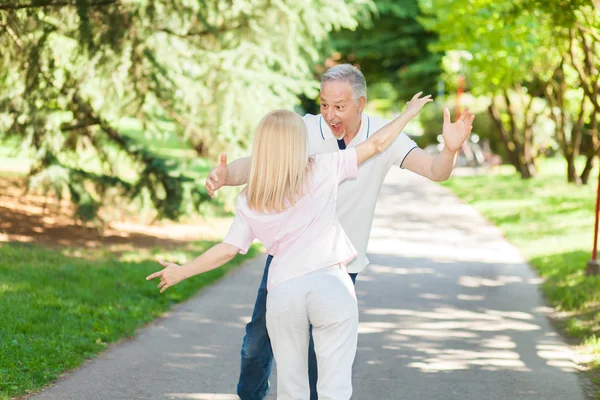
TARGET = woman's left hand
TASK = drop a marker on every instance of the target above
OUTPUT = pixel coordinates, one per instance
(455, 133)
(171, 275)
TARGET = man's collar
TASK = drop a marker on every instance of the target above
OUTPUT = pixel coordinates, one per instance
(362, 131)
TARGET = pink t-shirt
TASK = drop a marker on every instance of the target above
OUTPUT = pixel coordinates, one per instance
(307, 236)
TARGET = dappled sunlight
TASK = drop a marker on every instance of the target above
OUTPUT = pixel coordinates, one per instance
(535, 281)
(454, 325)
(31, 217)
(438, 313)
(499, 342)
(431, 296)
(423, 333)
(375, 327)
(438, 365)
(15, 238)
(446, 339)
(467, 297)
(557, 355)
(379, 269)
(503, 326)
(388, 243)
(477, 281)
(510, 314)
(543, 310)
(449, 359)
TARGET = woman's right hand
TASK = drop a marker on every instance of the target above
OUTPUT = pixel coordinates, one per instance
(415, 104)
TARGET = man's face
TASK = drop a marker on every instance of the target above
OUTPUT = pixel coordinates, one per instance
(341, 112)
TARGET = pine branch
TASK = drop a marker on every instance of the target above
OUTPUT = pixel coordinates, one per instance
(215, 32)
(51, 3)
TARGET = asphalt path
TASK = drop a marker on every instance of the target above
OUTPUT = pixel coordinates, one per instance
(448, 310)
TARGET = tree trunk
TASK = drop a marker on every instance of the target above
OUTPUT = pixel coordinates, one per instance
(587, 170)
(572, 176)
(517, 156)
(201, 149)
(568, 131)
(591, 150)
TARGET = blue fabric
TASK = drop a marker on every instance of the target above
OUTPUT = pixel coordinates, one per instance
(257, 355)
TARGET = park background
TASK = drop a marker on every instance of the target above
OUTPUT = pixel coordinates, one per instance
(112, 112)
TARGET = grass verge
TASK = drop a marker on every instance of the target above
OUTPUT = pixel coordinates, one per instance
(59, 310)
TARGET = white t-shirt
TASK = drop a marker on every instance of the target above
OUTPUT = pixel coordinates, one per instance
(307, 236)
(357, 197)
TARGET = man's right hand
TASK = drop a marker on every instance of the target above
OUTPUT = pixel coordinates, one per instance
(217, 177)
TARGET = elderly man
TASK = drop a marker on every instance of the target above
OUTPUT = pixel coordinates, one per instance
(341, 124)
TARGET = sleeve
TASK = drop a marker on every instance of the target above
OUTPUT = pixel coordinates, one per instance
(347, 164)
(240, 233)
(401, 148)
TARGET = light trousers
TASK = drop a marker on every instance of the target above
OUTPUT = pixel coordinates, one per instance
(326, 300)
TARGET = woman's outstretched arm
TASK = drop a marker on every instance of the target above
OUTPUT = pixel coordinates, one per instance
(212, 258)
(381, 139)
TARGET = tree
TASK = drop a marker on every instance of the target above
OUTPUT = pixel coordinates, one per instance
(392, 49)
(73, 69)
(584, 53)
(519, 48)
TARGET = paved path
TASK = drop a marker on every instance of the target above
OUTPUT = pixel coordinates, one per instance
(448, 308)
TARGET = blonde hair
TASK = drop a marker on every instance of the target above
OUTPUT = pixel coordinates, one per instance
(280, 162)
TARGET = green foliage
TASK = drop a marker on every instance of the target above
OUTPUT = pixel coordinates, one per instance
(58, 311)
(392, 49)
(498, 45)
(484, 127)
(71, 73)
(430, 118)
(532, 48)
(503, 43)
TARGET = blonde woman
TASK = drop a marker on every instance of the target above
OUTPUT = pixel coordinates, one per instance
(290, 205)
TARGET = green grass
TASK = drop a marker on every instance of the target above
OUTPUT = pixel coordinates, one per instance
(58, 310)
(552, 223)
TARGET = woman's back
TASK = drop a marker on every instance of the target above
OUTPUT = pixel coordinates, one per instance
(306, 236)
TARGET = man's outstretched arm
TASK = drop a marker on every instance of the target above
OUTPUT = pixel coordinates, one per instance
(234, 174)
(438, 168)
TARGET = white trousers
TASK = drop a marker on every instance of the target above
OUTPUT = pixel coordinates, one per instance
(326, 299)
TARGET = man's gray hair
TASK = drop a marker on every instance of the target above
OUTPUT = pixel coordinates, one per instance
(351, 75)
